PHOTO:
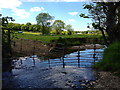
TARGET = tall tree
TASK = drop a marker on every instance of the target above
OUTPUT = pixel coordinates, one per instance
(58, 25)
(44, 19)
(69, 29)
(105, 17)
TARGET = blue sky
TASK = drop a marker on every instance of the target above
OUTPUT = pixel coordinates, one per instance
(26, 11)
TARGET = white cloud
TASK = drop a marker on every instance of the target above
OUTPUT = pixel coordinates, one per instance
(9, 3)
(73, 0)
(13, 4)
(71, 20)
(21, 13)
(36, 9)
(54, 0)
(73, 13)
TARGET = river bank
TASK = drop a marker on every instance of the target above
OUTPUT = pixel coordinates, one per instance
(107, 80)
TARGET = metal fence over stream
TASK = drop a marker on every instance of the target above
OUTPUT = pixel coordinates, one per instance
(80, 58)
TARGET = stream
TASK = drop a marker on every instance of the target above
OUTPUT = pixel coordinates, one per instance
(33, 72)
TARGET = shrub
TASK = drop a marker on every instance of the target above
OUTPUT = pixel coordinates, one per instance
(111, 59)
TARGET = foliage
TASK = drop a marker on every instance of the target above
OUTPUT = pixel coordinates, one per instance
(58, 25)
(105, 17)
(69, 29)
(111, 59)
(7, 35)
(44, 19)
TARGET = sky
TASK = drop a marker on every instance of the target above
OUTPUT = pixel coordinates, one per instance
(24, 11)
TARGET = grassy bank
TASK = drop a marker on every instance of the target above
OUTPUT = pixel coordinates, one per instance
(111, 59)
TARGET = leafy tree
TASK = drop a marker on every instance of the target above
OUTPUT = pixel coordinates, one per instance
(24, 28)
(17, 27)
(53, 32)
(6, 37)
(106, 17)
(38, 28)
(44, 19)
(69, 29)
(13, 26)
(58, 25)
(35, 28)
(28, 24)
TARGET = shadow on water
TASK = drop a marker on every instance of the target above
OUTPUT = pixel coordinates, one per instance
(71, 70)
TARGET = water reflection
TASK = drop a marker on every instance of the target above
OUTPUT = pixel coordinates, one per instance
(85, 58)
(30, 68)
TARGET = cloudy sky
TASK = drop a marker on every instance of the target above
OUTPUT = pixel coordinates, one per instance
(24, 11)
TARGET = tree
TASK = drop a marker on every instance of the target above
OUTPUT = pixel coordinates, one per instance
(44, 19)
(98, 16)
(6, 37)
(24, 28)
(28, 24)
(69, 29)
(105, 17)
(35, 28)
(112, 11)
(58, 25)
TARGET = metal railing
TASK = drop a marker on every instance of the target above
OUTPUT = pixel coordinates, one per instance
(53, 50)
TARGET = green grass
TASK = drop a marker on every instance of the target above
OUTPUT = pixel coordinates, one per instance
(111, 59)
(34, 33)
(48, 38)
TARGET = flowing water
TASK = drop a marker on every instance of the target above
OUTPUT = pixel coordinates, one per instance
(33, 72)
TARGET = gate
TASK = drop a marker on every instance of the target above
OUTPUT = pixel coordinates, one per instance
(81, 58)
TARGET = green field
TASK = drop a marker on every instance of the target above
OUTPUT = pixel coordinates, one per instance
(48, 38)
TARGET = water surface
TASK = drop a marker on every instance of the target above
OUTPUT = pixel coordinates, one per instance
(37, 73)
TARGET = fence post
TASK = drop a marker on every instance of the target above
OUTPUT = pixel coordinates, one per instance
(49, 62)
(94, 53)
(63, 62)
(21, 61)
(79, 56)
(63, 56)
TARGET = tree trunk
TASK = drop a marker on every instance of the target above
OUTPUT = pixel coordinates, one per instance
(111, 22)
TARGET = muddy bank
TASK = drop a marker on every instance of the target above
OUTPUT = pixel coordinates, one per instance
(107, 80)
(24, 47)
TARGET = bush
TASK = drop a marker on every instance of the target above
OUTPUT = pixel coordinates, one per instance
(111, 59)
